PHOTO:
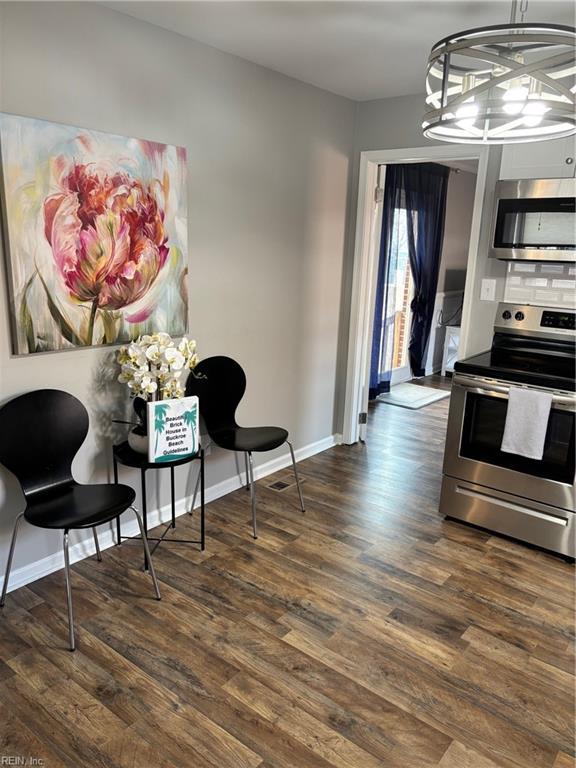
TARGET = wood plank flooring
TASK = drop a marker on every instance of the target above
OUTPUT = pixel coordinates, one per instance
(367, 632)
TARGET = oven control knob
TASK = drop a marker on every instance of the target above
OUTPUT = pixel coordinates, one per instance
(506, 315)
(519, 316)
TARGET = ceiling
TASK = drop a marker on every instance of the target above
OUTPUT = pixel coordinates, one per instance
(362, 50)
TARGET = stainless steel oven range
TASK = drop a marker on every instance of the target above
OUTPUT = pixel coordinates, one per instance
(530, 500)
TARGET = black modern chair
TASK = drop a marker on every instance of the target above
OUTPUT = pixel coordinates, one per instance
(220, 383)
(40, 434)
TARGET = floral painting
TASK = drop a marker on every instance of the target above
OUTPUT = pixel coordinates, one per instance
(95, 234)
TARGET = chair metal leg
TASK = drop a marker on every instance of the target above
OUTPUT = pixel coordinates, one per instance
(191, 510)
(253, 492)
(147, 553)
(247, 486)
(144, 510)
(69, 593)
(98, 553)
(296, 475)
(10, 555)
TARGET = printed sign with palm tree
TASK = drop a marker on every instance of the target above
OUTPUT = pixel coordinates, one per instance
(173, 429)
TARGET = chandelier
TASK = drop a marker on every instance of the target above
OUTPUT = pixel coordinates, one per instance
(501, 84)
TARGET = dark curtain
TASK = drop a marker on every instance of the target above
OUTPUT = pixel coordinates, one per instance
(414, 194)
(383, 332)
(425, 186)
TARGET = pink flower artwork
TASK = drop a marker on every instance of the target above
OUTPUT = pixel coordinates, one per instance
(97, 235)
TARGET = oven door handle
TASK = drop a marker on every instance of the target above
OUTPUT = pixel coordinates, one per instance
(563, 402)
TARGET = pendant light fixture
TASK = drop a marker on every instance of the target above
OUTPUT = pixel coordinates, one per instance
(507, 83)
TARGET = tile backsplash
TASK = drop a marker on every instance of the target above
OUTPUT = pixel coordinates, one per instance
(546, 284)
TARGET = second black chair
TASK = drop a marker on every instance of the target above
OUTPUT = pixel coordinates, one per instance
(220, 383)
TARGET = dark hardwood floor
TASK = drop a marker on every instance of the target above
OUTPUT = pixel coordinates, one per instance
(367, 632)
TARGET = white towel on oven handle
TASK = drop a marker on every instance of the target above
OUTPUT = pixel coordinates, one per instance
(526, 422)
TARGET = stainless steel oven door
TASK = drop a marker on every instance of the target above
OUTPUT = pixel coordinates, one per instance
(475, 430)
(549, 527)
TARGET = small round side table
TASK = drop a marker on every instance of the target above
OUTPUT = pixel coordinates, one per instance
(123, 454)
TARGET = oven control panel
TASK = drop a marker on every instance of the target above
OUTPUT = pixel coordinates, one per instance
(539, 322)
(553, 319)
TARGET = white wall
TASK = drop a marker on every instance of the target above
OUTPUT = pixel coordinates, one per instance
(380, 124)
(393, 124)
(459, 207)
(478, 315)
(268, 165)
(453, 263)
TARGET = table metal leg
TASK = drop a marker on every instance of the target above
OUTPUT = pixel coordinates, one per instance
(191, 510)
(202, 526)
(118, 532)
(144, 511)
(200, 483)
(173, 499)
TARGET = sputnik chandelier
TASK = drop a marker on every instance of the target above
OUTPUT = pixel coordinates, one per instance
(501, 84)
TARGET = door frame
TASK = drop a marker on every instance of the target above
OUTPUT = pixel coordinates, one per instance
(366, 262)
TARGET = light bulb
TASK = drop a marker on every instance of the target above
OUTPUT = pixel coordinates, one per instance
(534, 111)
(467, 114)
(467, 110)
(515, 98)
(532, 122)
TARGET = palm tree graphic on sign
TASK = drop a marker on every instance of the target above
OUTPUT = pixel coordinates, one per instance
(190, 418)
(160, 412)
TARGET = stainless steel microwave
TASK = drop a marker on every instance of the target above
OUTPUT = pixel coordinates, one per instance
(535, 219)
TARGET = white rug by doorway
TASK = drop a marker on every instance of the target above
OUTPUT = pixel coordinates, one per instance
(412, 396)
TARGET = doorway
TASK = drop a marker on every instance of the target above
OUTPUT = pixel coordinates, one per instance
(364, 298)
(393, 324)
(399, 294)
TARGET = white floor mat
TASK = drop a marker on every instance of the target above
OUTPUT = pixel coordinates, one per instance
(412, 396)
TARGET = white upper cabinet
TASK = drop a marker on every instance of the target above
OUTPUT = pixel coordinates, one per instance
(553, 159)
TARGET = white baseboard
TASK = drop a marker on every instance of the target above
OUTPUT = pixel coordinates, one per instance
(26, 574)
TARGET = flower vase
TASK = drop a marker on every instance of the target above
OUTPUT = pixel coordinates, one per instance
(138, 436)
(138, 442)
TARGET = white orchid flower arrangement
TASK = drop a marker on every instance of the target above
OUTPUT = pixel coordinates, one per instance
(153, 366)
